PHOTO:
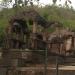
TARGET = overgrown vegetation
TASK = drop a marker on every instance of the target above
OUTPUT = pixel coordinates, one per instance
(51, 13)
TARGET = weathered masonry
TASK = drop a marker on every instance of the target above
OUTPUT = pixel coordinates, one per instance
(30, 49)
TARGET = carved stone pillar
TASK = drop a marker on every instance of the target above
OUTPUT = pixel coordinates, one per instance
(34, 30)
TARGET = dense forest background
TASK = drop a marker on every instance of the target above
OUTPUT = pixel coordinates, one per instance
(64, 14)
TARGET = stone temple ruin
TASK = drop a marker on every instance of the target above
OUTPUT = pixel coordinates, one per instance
(27, 44)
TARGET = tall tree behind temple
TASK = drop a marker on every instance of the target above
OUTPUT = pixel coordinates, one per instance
(5, 3)
(54, 1)
(28, 2)
(24, 3)
(20, 1)
(66, 2)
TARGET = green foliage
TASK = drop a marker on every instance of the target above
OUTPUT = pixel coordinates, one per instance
(51, 13)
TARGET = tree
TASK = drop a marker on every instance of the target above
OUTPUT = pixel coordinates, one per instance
(26, 2)
(20, 2)
(5, 3)
(67, 2)
(54, 1)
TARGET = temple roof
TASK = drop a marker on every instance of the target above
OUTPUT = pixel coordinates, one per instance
(31, 15)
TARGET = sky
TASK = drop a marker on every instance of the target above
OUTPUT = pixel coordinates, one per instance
(45, 2)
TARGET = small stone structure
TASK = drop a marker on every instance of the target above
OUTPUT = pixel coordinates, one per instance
(26, 37)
